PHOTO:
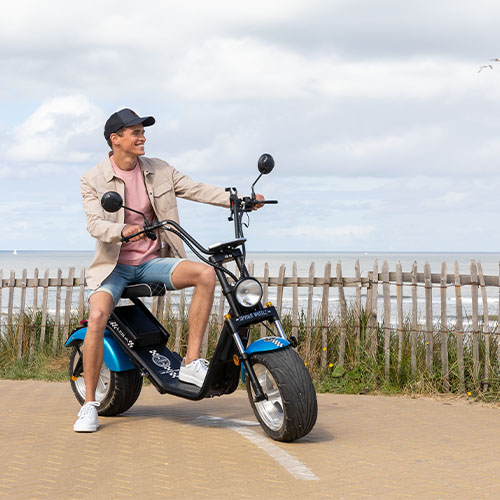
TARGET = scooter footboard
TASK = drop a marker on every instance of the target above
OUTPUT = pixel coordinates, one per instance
(114, 357)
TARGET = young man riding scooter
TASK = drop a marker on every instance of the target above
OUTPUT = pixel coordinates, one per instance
(150, 186)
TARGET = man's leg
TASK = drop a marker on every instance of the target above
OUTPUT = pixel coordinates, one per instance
(101, 306)
(202, 277)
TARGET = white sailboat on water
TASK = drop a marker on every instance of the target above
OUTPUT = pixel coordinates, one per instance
(14, 252)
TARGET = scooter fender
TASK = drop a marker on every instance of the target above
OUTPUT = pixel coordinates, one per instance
(262, 345)
(114, 356)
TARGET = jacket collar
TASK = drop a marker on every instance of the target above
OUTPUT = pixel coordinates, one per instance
(109, 173)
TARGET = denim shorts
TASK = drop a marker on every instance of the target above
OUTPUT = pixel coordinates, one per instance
(155, 270)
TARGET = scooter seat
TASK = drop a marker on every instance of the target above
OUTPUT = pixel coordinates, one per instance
(144, 290)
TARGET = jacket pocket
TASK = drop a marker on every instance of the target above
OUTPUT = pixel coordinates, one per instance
(163, 200)
(162, 189)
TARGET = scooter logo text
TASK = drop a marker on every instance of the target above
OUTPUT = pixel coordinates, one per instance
(163, 362)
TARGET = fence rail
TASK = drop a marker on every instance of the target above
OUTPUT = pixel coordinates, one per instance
(378, 312)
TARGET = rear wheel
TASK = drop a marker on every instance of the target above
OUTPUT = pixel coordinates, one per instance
(291, 408)
(116, 391)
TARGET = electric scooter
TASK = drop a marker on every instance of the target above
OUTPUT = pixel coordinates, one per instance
(278, 383)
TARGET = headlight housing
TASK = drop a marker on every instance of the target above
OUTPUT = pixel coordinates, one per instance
(248, 292)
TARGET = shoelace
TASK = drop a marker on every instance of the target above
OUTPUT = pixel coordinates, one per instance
(200, 364)
(86, 410)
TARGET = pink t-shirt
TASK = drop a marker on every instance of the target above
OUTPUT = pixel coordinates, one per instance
(136, 197)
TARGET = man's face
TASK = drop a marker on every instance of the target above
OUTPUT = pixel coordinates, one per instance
(131, 141)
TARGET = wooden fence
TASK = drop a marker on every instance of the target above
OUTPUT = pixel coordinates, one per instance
(367, 310)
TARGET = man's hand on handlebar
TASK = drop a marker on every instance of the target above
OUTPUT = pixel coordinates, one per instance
(258, 197)
(132, 229)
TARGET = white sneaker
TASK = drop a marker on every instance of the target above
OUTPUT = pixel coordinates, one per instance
(87, 418)
(194, 372)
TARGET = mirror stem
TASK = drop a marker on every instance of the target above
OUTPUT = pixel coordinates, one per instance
(146, 222)
(253, 192)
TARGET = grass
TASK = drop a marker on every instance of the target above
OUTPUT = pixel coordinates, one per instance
(362, 372)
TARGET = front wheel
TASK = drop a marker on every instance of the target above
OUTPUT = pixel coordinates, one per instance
(116, 391)
(291, 408)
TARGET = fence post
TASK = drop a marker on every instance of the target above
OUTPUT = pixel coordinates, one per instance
(459, 328)
(444, 329)
(486, 327)
(373, 320)
(324, 314)
(81, 295)
(358, 309)
(475, 321)
(32, 335)
(387, 318)
(10, 305)
(45, 298)
(295, 301)
(20, 339)
(414, 321)
(265, 296)
(310, 295)
(279, 291)
(55, 338)
(68, 301)
(180, 318)
(429, 339)
(343, 313)
(399, 303)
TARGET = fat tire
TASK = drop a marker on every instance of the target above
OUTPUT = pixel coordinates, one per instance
(122, 392)
(300, 406)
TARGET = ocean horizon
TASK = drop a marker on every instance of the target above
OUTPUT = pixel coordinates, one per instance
(64, 259)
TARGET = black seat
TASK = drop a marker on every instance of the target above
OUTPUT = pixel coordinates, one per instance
(144, 290)
(218, 247)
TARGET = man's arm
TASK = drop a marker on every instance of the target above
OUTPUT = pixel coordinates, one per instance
(185, 187)
(97, 225)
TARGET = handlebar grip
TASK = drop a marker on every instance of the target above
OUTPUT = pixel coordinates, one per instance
(147, 230)
(125, 239)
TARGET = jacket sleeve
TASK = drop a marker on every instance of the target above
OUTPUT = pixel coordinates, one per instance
(98, 226)
(185, 187)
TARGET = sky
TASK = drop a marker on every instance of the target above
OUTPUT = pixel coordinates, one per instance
(384, 126)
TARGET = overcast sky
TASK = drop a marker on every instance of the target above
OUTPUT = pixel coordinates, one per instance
(385, 134)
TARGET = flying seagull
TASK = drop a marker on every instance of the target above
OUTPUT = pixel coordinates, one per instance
(496, 59)
(485, 66)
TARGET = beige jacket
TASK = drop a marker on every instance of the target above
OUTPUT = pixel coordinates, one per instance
(163, 185)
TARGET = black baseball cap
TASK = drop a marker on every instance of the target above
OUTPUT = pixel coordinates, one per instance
(125, 118)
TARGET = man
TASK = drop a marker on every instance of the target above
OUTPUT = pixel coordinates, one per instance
(151, 187)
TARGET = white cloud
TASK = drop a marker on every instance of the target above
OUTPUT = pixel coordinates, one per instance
(449, 200)
(52, 132)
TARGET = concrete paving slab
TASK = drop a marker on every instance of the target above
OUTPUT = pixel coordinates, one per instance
(165, 447)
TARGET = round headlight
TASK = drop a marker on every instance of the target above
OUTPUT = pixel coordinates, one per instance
(248, 292)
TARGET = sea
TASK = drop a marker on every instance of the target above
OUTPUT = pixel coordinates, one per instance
(53, 260)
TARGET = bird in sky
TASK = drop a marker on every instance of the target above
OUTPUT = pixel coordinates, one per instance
(496, 59)
(485, 66)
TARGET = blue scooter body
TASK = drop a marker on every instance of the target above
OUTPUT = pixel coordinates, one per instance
(117, 360)
(262, 345)
(114, 356)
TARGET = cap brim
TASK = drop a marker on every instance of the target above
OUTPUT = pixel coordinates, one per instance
(147, 121)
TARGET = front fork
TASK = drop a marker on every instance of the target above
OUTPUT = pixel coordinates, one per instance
(260, 395)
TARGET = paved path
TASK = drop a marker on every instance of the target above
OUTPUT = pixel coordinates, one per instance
(165, 447)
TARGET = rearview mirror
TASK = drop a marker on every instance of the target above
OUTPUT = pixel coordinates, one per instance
(265, 163)
(111, 201)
